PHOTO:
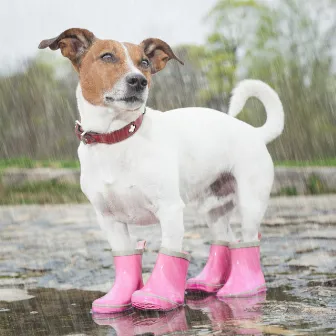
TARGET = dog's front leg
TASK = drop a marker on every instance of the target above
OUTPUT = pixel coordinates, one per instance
(170, 216)
(164, 289)
(127, 264)
(116, 233)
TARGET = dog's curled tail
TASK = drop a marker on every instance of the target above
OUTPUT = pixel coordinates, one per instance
(275, 115)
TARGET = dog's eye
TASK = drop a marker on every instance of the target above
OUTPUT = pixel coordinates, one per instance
(145, 63)
(108, 57)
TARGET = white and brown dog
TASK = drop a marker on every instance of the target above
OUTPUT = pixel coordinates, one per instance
(141, 166)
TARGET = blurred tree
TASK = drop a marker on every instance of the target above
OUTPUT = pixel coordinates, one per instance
(294, 52)
(234, 22)
(289, 45)
(218, 60)
(37, 114)
(178, 86)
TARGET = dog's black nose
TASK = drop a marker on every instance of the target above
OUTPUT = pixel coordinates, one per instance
(136, 81)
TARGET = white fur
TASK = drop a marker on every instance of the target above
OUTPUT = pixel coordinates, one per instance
(172, 160)
(275, 115)
(129, 61)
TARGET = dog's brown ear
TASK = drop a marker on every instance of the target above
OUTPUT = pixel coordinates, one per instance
(158, 52)
(73, 43)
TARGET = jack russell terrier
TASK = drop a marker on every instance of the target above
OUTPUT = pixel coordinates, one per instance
(141, 166)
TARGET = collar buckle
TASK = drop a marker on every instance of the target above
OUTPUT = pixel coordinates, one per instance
(83, 139)
(82, 135)
(87, 139)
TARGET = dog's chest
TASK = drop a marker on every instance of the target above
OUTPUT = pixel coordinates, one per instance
(118, 185)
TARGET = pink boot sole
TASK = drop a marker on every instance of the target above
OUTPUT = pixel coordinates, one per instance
(252, 292)
(108, 309)
(204, 287)
(153, 302)
(165, 288)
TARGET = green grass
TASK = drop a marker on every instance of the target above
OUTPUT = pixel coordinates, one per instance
(288, 191)
(53, 192)
(328, 162)
(30, 163)
(47, 192)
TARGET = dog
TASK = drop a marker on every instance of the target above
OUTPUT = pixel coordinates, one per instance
(141, 166)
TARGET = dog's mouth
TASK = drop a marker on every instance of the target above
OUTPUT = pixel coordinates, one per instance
(129, 99)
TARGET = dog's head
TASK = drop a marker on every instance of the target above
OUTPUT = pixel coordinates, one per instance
(112, 73)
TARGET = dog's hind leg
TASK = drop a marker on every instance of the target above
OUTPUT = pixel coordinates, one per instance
(253, 193)
(216, 271)
(246, 277)
(218, 220)
(218, 205)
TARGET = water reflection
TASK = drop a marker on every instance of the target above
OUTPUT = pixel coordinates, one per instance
(235, 316)
(63, 313)
(139, 323)
(241, 315)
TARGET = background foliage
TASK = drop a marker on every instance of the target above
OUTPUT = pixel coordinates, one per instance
(290, 45)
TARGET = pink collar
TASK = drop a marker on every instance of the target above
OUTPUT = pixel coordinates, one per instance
(121, 134)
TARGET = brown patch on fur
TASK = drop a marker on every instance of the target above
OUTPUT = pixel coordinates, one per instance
(222, 210)
(159, 53)
(73, 43)
(224, 185)
(96, 76)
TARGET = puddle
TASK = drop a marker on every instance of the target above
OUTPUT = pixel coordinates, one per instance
(38, 277)
(67, 312)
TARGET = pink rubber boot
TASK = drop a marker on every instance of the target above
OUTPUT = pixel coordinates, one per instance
(128, 279)
(246, 277)
(215, 272)
(165, 288)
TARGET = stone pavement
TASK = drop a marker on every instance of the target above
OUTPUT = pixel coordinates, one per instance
(62, 247)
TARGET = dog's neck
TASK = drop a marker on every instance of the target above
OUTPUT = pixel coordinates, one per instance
(102, 119)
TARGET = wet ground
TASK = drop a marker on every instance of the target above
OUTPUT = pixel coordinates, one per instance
(54, 261)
